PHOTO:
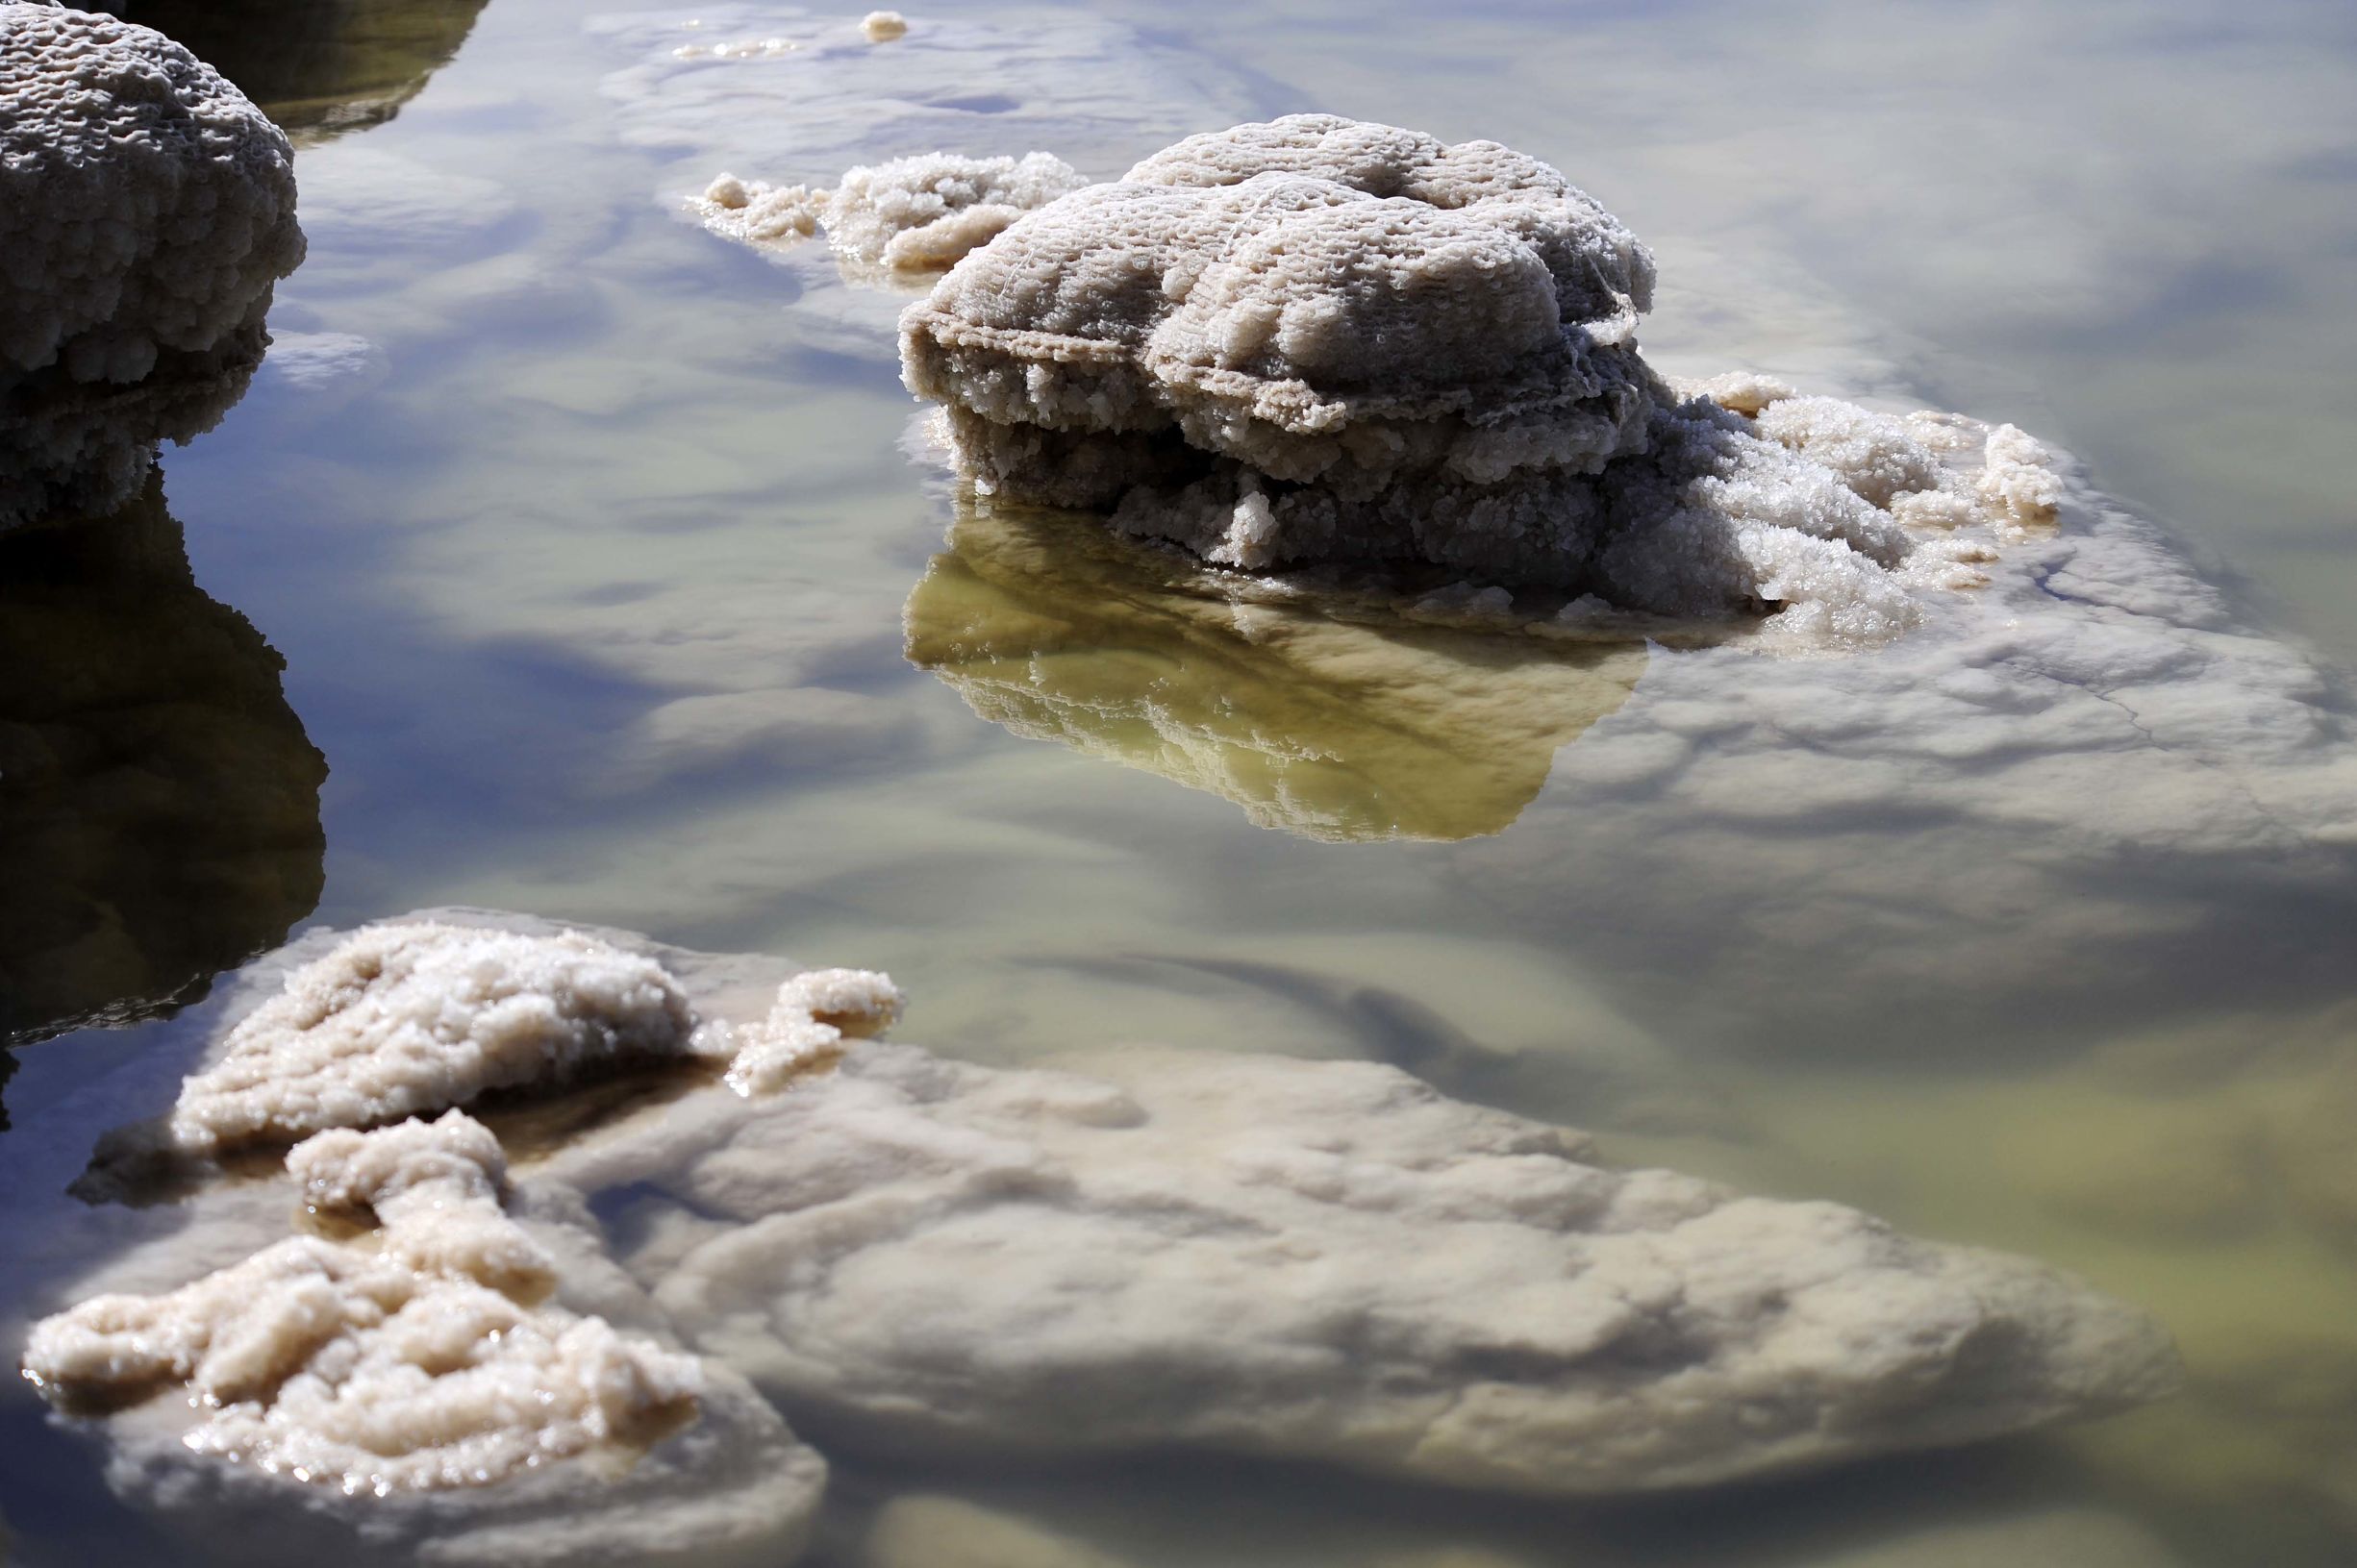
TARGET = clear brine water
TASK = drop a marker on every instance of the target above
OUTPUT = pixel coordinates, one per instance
(605, 583)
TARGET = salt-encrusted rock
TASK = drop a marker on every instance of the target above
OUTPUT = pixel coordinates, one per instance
(159, 800)
(1318, 714)
(146, 210)
(408, 1401)
(1315, 340)
(911, 215)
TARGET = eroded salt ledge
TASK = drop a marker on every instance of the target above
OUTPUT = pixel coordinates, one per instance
(1324, 1260)
(147, 211)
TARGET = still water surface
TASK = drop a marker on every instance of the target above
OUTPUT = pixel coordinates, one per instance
(599, 568)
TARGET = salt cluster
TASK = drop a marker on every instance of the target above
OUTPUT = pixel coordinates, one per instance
(415, 1363)
(1316, 340)
(408, 1018)
(146, 210)
(912, 215)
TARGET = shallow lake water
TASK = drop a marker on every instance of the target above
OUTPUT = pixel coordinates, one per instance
(614, 586)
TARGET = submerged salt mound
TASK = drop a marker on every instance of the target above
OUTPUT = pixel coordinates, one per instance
(1317, 1260)
(405, 1018)
(407, 1398)
(146, 210)
(1317, 341)
(913, 214)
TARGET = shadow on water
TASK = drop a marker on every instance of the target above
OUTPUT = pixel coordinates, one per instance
(1335, 721)
(319, 67)
(159, 798)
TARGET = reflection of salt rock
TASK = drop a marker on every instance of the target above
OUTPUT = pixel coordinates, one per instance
(1316, 340)
(319, 67)
(147, 209)
(407, 1018)
(159, 800)
(406, 1398)
(913, 214)
(1314, 722)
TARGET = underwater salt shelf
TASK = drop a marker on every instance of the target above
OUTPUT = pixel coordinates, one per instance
(906, 1254)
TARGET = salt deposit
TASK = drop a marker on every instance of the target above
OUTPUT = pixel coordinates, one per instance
(882, 26)
(1316, 340)
(412, 1369)
(412, 1017)
(146, 210)
(415, 1017)
(913, 214)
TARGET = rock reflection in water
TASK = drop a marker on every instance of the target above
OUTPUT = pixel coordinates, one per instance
(319, 67)
(159, 799)
(1335, 721)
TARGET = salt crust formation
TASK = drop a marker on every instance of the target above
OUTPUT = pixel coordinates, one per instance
(1317, 340)
(159, 799)
(414, 1368)
(146, 210)
(913, 214)
(410, 1018)
(1320, 714)
(1317, 1260)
